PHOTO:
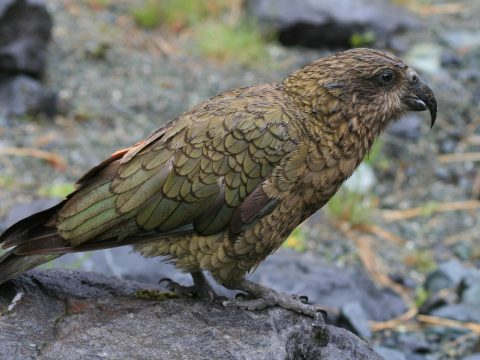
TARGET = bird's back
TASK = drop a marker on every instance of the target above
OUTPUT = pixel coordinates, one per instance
(192, 176)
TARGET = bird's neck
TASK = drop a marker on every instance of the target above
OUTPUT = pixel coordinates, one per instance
(343, 133)
(329, 120)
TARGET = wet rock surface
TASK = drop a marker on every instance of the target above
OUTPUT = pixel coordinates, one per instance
(25, 31)
(62, 314)
(332, 23)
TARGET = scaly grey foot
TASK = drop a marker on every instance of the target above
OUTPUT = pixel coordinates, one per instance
(265, 297)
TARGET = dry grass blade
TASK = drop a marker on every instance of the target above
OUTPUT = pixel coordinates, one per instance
(373, 264)
(468, 156)
(163, 45)
(461, 339)
(470, 233)
(473, 140)
(395, 322)
(395, 215)
(53, 159)
(440, 9)
(380, 232)
(424, 320)
(439, 321)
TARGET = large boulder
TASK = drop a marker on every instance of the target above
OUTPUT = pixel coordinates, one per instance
(64, 314)
(22, 94)
(25, 30)
(332, 23)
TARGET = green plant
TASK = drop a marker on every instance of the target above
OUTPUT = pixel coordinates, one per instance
(428, 208)
(376, 158)
(177, 13)
(149, 294)
(421, 260)
(296, 240)
(241, 42)
(421, 295)
(362, 39)
(7, 182)
(351, 206)
(147, 15)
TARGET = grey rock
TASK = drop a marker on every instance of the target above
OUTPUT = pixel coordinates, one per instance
(449, 274)
(472, 357)
(303, 273)
(331, 23)
(25, 30)
(470, 291)
(21, 94)
(389, 354)
(62, 314)
(462, 250)
(356, 319)
(414, 342)
(460, 312)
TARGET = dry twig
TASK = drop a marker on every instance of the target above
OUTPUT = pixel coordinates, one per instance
(439, 321)
(455, 238)
(395, 215)
(53, 159)
(440, 9)
(381, 232)
(372, 263)
(395, 322)
(460, 157)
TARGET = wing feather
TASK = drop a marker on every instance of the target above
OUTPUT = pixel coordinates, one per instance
(201, 173)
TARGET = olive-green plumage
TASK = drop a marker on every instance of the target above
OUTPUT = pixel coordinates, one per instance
(221, 187)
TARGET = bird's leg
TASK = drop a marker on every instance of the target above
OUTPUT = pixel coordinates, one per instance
(201, 287)
(266, 297)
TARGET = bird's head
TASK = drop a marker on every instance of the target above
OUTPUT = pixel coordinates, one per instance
(365, 87)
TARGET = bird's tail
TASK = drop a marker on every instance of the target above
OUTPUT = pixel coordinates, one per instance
(27, 242)
(12, 265)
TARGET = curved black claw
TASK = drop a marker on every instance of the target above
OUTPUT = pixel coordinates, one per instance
(323, 312)
(165, 280)
(303, 299)
(200, 288)
(241, 296)
(179, 290)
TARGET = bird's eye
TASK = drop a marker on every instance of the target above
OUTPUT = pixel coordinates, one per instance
(414, 79)
(386, 78)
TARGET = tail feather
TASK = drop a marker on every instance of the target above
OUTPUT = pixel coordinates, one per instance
(31, 227)
(12, 265)
(31, 230)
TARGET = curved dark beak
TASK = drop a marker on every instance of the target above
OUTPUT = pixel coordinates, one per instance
(421, 98)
